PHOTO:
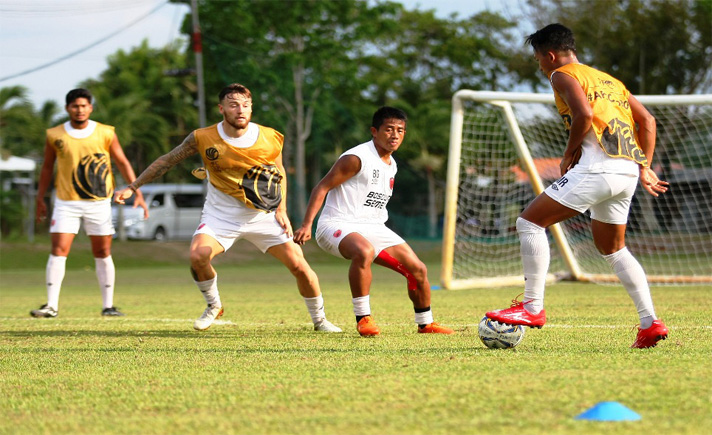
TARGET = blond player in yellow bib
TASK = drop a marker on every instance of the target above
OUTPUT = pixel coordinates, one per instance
(610, 148)
(246, 199)
(83, 150)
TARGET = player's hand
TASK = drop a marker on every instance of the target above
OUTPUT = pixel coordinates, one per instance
(140, 201)
(40, 210)
(302, 235)
(283, 222)
(569, 161)
(651, 183)
(122, 195)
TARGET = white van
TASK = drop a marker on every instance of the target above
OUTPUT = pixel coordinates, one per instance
(174, 212)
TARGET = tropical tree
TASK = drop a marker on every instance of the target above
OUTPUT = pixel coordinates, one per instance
(294, 57)
(653, 46)
(151, 108)
(423, 60)
(22, 129)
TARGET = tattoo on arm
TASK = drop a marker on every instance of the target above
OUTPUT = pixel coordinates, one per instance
(161, 165)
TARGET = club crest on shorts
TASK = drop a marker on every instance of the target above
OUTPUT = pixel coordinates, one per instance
(337, 233)
(200, 227)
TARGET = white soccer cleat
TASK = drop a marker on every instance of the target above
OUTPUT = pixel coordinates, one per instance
(209, 315)
(326, 326)
(44, 311)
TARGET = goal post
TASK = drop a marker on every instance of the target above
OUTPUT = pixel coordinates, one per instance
(505, 147)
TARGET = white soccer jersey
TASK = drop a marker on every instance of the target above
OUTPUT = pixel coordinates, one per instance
(363, 197)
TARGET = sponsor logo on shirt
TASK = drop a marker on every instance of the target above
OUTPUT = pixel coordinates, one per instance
(376, 200)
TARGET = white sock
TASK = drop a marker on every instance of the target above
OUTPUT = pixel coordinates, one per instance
(209, 289)
(535, 260)
(316, 308)
(106, 275)
(56, 266)
(424, 318)
(362, 305)
(632, 276)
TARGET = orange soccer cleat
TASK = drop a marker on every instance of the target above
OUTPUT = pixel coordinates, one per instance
(434, 328)
(367, 327)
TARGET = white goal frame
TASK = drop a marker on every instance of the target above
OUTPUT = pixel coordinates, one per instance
(504, 101)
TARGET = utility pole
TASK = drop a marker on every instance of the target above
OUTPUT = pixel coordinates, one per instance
(198, 50)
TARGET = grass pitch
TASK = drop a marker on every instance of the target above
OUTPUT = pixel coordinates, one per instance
(262, 370)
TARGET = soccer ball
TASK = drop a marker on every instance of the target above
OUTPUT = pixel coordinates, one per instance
(497, 335)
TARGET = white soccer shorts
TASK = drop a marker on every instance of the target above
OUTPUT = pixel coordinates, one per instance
(607, 196)
(329, 235)
(260, 228)
(68, 216)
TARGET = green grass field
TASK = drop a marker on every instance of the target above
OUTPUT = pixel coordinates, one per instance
(262, 370)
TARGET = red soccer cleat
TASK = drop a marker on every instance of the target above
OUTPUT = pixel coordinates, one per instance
(517, 315)
(649, 337)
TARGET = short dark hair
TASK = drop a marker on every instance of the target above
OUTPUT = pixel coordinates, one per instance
(387, 112)
(554, 37)
(78, 93)
(234, 88)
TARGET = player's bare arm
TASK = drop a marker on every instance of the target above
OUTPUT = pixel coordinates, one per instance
(581, 117)
(50, 156)
(344, 168)
(124, 166)
(281, 212)
(160, 166)
(647, 131)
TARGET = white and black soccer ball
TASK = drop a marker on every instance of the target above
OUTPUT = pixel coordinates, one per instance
(497, 335)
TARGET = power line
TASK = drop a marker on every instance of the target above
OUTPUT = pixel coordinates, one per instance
(74, 53)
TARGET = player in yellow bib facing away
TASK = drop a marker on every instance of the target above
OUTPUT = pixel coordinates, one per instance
(605, 156)
(352, 224)
(246, 199)
(83, 150)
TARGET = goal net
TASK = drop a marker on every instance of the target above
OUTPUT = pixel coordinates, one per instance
(505, 148)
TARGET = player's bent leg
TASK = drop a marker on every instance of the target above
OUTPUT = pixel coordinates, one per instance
(403, 260)
(292, 257)
(203, 249)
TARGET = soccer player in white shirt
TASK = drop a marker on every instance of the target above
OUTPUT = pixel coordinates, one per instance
(352, 224)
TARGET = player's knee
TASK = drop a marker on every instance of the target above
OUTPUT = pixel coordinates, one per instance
(199, 258)
(363, 257)
(300, 268)
(524, 226)
(419, 272)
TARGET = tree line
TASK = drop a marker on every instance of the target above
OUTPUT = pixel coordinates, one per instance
(318, 69)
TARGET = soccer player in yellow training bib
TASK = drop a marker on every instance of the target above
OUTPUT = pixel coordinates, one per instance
(84, 184)
(353, 222)
(605, 157)
(246, 199)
